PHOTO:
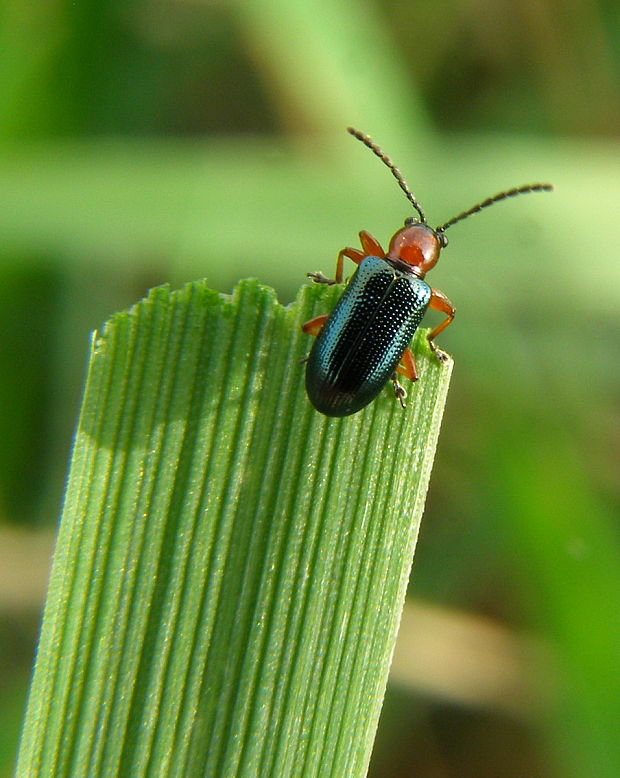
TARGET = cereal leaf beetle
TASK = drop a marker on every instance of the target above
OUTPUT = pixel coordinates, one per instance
(364, 341)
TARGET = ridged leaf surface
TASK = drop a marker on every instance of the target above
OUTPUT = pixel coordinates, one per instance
(231, 565)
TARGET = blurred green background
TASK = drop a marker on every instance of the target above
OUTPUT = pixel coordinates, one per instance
(144, 142)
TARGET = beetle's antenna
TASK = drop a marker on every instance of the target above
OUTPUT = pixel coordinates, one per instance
(496, 198)
(368, 141)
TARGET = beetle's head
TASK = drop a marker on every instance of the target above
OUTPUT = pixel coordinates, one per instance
(418, 245)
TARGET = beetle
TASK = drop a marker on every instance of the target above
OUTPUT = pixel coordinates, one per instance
(364, 342)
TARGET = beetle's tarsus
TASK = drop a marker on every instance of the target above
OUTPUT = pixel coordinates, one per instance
(319, 278)
(399, 391)
(441, 355)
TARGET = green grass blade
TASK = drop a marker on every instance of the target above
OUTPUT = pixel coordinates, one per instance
(231, 565)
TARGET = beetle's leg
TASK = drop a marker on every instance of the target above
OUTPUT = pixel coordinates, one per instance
(441, 303)
(399, 391)
(313, 326)
(355, 254)
(321, 278)
(407, 366)
(370, 247)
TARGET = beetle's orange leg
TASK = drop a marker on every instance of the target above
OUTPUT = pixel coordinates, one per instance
(314, 326)
(399, 391)
(370, 247)
(441, 303)
(355, 254)
(407, 366)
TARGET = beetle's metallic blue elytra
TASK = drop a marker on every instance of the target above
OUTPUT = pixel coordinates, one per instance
(362, 341)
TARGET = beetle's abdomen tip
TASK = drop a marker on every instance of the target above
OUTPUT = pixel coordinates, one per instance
(336, 404)
(329, 407)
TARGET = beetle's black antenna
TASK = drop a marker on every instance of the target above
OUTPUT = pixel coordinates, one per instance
(368, 141)
(490, 200)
